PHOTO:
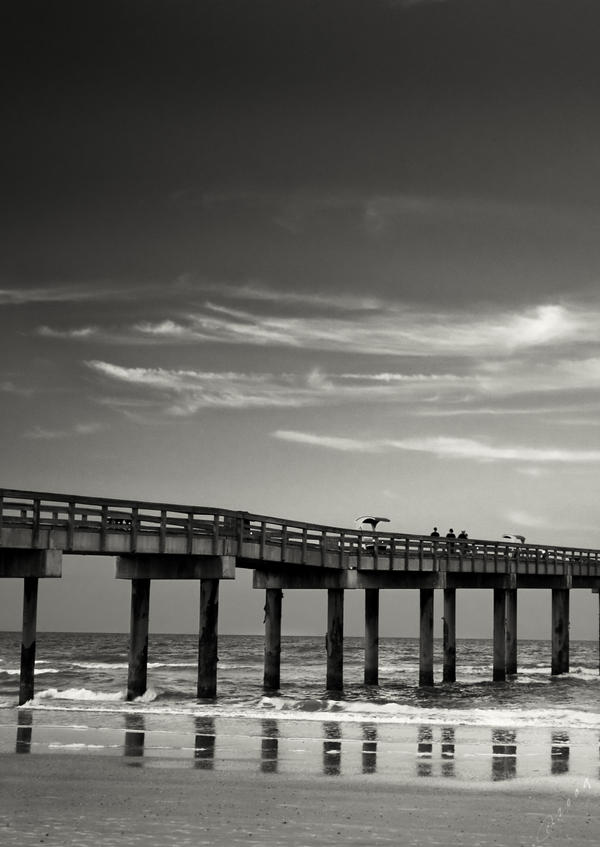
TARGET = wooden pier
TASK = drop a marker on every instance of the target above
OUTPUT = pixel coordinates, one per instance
(166, 541)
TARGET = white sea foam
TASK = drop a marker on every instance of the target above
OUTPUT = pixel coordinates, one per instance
(77, 694)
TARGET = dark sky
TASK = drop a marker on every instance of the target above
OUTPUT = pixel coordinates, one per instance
(311, 259)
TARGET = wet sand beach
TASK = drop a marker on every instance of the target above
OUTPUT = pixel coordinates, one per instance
(70, 800)
(270, 783)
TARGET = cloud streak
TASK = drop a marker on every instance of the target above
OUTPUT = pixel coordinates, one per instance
(184, 392)
(393, 331)
(445, 447)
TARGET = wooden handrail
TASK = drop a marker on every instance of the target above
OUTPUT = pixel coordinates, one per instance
(38, 509)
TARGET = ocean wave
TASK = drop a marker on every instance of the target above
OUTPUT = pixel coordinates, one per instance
(76, 694)
(400, 713)
(38, 671)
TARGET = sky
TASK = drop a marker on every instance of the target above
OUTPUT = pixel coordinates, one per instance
(306, 259)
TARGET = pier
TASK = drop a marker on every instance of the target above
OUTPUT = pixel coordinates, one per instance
(166, 541)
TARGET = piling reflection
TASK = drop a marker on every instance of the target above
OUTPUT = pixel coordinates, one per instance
(332, 749)
(448, 750)
(134, 736)
(559, 755)
(204, 743)
(424, 750)
(369, 748)
(24, 731)
(504, 754)
(269, 746)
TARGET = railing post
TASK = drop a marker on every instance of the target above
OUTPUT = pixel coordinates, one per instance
(71, 525)
(190, 533)
(103, 526)
(283, 542)
(263, 539)
(162, 540)
(304, 542)
(216, 522)
(135, 520)
(36, 522)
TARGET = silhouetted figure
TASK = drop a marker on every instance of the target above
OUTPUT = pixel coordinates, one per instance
(435, 533)
(450, 538)
(463, 539)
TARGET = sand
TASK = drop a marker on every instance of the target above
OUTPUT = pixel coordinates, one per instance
(74, 800)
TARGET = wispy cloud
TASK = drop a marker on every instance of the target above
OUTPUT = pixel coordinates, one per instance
(522, 518)
(60, 294)
(346, 445)
(8, 386)
(81, 333)
(184, 392)
(39, 433)
(446, 448)
(342, 301)
(393, 331)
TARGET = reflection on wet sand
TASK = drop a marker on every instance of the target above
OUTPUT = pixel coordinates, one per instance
(559, 755)
(134, 735)
(379, 748)
(424, 750)
(448, 740)
(504, 754)
(332, 749)
(24, 731)
(269, 746)
(369, 748)
(204, 743)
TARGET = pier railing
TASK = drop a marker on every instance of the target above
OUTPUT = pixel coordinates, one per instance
(61, 520)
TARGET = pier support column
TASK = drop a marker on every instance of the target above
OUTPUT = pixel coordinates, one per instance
(28, 638)
(207, 645)
(560, 630)
(335, 639)
(449, 674)
(271, 679)
(499, 672)
(371, 636)
(426, 637)
(511, 631)
(138, 638)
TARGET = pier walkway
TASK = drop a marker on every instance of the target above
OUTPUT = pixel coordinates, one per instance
(169, 541)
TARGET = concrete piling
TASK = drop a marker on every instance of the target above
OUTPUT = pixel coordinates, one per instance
(499, 670)
(371, 636)
(511, 631)
(271, 678)
(207, 644)
(138, 638)
(560, 630)
(335, 639)
(28, 639)
(449, 670)
(426, 637)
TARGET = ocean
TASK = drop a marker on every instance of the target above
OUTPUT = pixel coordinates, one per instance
(533, 726)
